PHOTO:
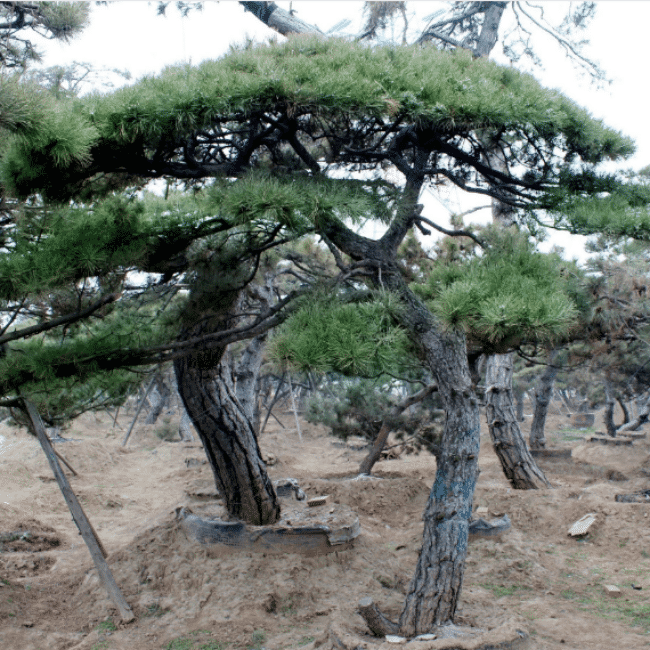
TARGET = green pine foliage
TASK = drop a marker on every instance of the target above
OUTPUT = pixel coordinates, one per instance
(91, 353)
(359, 406)
(586, 203)
(353, 339)
(299, 203)
(509, 295)
(330, 79)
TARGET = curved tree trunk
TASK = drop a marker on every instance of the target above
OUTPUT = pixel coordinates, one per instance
(543, 395)
(206, 388)
(518, 465)
(608, 415)
(624, 409)
(643, 415)
(229, 441)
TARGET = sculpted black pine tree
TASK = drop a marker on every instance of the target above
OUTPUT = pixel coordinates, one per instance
(267, 123)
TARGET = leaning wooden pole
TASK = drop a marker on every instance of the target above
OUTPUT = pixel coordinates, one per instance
(295, 410)
(137, 413)
(85, 528)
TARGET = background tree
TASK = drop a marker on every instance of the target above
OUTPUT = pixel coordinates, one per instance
(52, 20)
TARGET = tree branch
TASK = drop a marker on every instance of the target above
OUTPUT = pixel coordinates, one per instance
(451, 233)
(62, 320)
(279, 19)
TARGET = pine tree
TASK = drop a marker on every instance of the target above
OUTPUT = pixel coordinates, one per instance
(265, 125)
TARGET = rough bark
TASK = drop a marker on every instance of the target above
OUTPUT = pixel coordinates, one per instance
(490, 29)
(228, 439)
(206, 388)
(518, 465)
(543, 395)
(608, 415)
(278, 19)
(434, 591)
(377, 623)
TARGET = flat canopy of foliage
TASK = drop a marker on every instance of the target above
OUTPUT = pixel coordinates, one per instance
(211, 119)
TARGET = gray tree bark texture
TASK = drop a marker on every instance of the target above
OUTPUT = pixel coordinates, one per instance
(228, 439)
(162, 396)
(643, 415)
(543, 395)
(518, 465)
(278, 19)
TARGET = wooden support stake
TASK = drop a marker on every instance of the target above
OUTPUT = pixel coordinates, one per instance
(114, 417)
(135, 418)
(65, 462)
(295, 411)
(79, 516)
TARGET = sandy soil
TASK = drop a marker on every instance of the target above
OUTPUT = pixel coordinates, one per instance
(185, 598)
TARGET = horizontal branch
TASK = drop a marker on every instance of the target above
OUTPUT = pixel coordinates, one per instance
(62, 320)
(450, 233)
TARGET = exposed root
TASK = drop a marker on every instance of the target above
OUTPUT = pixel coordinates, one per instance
(377, 623)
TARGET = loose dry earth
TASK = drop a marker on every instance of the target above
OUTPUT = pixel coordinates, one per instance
(185, 598)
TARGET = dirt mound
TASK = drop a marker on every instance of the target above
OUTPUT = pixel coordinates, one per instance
(27, 535)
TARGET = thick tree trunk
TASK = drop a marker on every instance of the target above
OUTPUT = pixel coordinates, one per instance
(518, 465)
(207, 391)
(245, 373)
(435, 589)
(543, 395)
(229, 441)
(490, 29)
(608, 415)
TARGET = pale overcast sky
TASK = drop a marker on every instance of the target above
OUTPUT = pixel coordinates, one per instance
(129, 35)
